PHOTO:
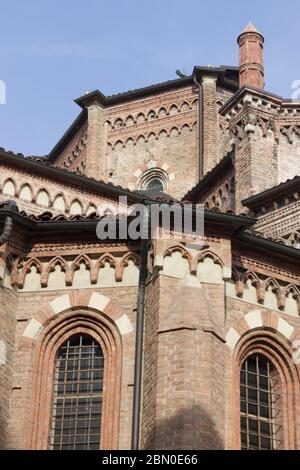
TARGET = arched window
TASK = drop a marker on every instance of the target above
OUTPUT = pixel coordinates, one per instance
(260, 404)
(77, 395)
(154, 180)
(155, 184)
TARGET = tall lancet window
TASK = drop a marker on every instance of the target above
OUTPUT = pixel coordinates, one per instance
(77, 395)
(260, 404)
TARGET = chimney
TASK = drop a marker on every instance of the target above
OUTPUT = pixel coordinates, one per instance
(251, 46)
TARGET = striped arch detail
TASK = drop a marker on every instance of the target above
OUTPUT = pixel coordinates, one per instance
(148, 166)
(72, 301)
(256, 319)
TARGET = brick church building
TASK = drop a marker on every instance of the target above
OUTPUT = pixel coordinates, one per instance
(159, 344)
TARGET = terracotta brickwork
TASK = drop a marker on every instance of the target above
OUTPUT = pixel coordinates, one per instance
(37, 320)
(7, 347)
(35, 194)
(208, 305)
(74, 155)
(158, 130)
(161, 128)
(258, 128)
(251, 57)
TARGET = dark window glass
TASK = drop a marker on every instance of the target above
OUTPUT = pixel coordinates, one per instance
(155, 184)
(260, 408)
(77, 395)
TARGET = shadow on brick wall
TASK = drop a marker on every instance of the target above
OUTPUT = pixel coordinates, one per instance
(190, 429)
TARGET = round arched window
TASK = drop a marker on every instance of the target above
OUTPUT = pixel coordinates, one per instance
(154, 180)
(155, 184)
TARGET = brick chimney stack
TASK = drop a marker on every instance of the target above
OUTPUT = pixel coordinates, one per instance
(251, 47)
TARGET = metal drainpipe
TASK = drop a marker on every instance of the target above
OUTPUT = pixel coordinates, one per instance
(8, 223)
(200, 127)
(137, 393)
(7, 230)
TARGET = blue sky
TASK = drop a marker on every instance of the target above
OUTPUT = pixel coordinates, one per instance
(52, 52)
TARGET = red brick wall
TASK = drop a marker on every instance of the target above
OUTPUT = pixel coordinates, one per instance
(150, 364)
(235, 311)
(22, 369)
(160, 128)
(8, 304)
(255, 165)
(185, 364)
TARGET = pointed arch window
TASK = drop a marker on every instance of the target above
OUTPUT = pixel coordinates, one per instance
(260, 404)
(77, 395)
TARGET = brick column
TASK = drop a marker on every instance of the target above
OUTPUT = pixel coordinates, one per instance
(211, 123)
(256, 161)
(8, 302)
(95, 163)
(251, 53)
(187, 379)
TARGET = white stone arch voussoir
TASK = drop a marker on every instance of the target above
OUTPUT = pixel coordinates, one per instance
(254, 320)
(66, 302)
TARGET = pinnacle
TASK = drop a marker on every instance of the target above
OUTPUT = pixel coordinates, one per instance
(250, 28)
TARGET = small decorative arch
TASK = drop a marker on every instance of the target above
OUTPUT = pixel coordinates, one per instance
(107, 258)
(118, 145)
(76, 207)
(208, 267)
(76, 266)
(151, 115)
(163, 133)
(174, 131)
(140, 119)
(176, 262)
(185, 128)
(9, 187)
(257, 283)
(129, 121)
(184, 107)
(209, 254)
(162, 112)
(140, 139)
(118, 123)
(90, 209)
(124, 262)
(194, 103)
(179, 249)
(26, 192)
(52, 266)
(43, 198)
(294, 292)
(29, 264)
(173, 109)
(272, 284)
(129, 141)
(59, 202)
(151, 135)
